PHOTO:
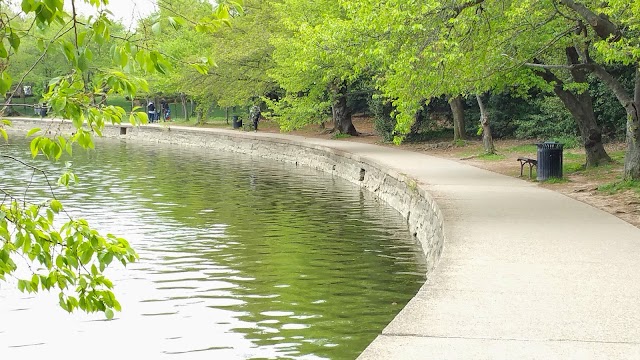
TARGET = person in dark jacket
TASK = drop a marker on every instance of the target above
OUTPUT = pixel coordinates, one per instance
(254, 115)
(151, 111)
(166, 112)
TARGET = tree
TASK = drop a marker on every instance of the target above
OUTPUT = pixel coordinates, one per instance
(457, 109)
(318, 63)
(616, 41)
(470, 47)
(70, 257)
(487, 139)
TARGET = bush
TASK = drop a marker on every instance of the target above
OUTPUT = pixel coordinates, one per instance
(547, 118)
(383, 123)
(610, 115)
(569, 142)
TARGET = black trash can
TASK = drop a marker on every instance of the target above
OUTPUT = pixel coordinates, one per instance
(549, 160)
(43, 111)
(237, 123)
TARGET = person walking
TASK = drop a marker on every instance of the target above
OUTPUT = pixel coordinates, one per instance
(166, 112)
(151, 111)
(254, 115)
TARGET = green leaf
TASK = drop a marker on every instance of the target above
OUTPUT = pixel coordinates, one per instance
(27, 6)
(21, 285)
(109, 314)
(107, 258)
(32, 131)
(34, 146)
(19, 240)
(60, 261)
(72, 261)
(5, 83)
(86, 256)
(56, 205)
(83, 63)
(14, 40)
(3, 132)
(156, 28)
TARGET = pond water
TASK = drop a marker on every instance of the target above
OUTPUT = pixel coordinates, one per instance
(240, 258)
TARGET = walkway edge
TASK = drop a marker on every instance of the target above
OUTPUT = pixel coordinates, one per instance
(527, 273)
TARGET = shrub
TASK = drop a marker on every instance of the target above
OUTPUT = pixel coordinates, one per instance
(383, 123)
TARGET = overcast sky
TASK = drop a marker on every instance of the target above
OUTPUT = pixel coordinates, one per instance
(127, 11)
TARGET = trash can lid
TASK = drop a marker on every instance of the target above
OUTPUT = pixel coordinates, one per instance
(550, 145)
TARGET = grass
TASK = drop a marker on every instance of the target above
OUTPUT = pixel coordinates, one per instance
(459, 143)
(573, 162)
(570, 168)
(522, 149)
(341, 136)
(617, 156)
(491, 157)
(569, 156)
(554, 180)
(620, 186)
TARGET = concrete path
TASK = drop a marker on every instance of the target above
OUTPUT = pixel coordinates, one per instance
(526, 273)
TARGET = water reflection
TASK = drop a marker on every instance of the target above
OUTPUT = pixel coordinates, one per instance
(240, 258)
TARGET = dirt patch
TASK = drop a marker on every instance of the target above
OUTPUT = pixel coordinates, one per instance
(582, 186)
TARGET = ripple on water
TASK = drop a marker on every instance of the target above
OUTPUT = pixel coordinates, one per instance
(239, 258)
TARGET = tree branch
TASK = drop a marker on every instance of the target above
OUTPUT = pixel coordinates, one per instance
(460, 8)
(605, 29)
(616, 87)
(571, 67)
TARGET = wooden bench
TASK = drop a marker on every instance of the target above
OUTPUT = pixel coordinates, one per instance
(524, 161)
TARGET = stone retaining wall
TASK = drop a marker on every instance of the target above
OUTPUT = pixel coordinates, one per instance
(417, 206)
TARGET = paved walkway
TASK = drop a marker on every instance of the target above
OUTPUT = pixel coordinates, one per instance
(526, 273)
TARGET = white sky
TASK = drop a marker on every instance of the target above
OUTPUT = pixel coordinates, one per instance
(127, 11)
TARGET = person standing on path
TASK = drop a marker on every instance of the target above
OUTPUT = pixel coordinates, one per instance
(151, 111)
(254, 115)
(166, 112)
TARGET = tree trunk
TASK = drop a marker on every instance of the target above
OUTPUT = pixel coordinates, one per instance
(487, 139)
(183, 99)
(631, 104)
(199, 116)
(581, 108)
(457, 108)
(341, 113)
(632, 157)
(609, 31)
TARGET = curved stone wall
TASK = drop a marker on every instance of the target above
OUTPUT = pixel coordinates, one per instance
(417, 206)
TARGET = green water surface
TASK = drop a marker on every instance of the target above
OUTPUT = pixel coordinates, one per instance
(241, 258)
